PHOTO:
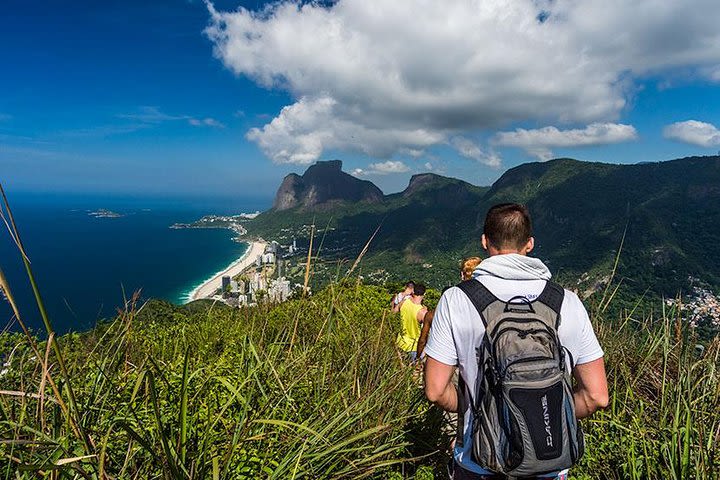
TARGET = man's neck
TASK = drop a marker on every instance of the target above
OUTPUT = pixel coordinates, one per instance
(492, 251)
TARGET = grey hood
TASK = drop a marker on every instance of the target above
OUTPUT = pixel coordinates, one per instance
(513, 266)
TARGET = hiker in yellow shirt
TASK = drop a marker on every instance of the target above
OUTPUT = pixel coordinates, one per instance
(412, 312)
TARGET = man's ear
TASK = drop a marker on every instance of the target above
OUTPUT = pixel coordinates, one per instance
(484, 242)
(529, 245)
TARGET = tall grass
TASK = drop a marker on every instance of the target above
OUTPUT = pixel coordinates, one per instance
(664, 417)
(209, 392)
(219, 394)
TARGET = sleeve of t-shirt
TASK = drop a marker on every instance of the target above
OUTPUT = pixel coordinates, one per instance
(441, 345)
(585, 347)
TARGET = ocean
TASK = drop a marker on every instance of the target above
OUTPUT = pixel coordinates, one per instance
(85, 266)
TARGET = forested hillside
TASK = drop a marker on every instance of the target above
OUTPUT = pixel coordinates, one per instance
(665, 216)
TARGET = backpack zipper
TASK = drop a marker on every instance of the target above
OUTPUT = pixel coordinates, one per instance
(522, 333)
(527, 359)
(519, 320)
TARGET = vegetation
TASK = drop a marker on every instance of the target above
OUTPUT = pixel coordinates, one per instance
(313, 388)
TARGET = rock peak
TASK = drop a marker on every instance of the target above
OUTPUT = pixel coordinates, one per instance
(324, 183)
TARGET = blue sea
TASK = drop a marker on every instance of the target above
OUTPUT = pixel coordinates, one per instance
(86, 266)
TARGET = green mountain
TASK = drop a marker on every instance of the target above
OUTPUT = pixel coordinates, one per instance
(667, 212)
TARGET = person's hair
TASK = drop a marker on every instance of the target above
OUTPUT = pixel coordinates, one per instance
(508, 226)
(467, 267)
(419, 290)
(410, 284)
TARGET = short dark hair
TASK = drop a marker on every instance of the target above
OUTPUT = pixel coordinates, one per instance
(508, 226)
(410, 284)
(419, 290)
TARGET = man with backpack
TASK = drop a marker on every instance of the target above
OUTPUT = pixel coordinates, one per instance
(517, 339)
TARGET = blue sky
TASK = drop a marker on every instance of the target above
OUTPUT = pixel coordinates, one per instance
(180, 97)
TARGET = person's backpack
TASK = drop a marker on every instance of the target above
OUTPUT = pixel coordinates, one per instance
(523, 409)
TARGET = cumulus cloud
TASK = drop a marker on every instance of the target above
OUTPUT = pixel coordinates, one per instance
(538, 142)
(389, 167)
(469, 149)
(301, 132)
(694, 132)
(382, 168)
(365, 78)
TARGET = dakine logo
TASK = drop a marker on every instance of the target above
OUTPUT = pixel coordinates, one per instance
(546, 418)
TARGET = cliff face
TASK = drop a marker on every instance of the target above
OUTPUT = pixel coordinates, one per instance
(323, 184)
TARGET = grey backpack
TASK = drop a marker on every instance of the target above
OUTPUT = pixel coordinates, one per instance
(523, 410)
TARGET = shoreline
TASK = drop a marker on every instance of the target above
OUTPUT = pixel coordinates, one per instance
(208, 287)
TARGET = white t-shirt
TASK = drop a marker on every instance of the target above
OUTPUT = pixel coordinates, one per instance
(457, 330)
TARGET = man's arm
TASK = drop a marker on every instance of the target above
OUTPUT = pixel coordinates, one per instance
(427, 322)
(590, 392)
(439, 388)
(420, 316)
(395, 303)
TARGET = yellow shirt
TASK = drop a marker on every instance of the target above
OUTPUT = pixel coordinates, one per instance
(408, 337)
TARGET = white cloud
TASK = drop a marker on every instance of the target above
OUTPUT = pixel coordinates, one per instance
(428, 166)
(301, 132)
(469, 149)
(105, 130)
(694, 132)
(205, 122)
(148, 114)
(382, 168)
(389, 167)
(382, 77)
(538, 142)
(541, 153)
(713, 74)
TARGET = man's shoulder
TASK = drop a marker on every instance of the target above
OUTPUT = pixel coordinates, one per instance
(453, 294)
(571, 296)
(571, 300)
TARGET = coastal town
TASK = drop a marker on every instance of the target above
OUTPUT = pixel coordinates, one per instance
(701, 307)
(262, 281)
(258, 276)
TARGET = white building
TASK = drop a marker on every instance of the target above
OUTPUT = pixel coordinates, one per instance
(279, 291)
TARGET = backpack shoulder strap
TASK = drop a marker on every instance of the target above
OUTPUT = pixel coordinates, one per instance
(478, 294)
(552, 296)
(481, 298)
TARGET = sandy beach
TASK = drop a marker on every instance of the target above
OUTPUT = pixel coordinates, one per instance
(208, 288)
